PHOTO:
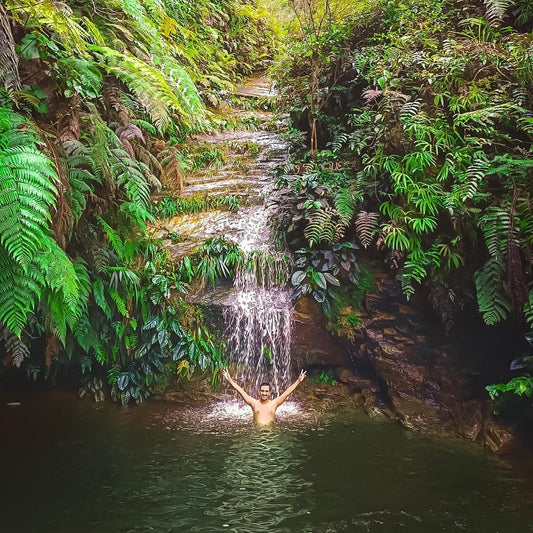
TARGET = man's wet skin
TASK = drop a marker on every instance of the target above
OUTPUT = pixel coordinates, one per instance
(264, 409)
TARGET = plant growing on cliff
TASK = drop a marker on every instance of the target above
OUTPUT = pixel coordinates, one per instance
(325, 274)
(212, 261)
(325, 377)
(438, 136)
(170, 207)
(113, 86)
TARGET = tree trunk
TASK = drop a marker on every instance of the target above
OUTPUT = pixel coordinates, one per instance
(9, 72)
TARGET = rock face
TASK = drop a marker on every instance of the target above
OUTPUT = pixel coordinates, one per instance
(400, 364)
(417, 368)
(312, 344)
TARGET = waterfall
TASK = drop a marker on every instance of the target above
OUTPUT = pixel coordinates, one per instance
(258, 315)
(257, 310)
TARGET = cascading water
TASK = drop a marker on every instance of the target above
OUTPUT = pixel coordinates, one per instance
(257, 311)
(258, 314)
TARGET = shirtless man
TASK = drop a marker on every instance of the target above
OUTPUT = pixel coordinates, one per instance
(264, 408)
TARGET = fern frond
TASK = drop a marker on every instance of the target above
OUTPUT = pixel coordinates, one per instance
(84, 291)
(15, 349)
(130, 175)
(493, 300)
(119, 302)
(19, 291)
(366, 225)
(56, 17)
(127, 134)
(100, 298)
(60, 272)
(496, 226)
(324, 226)
(113, 98)
(151, 87)
(475, 174)
(171, 175)
(114, 238)
(497, 10)
(27, 188)
(184, 88)
(101, 258)
(78, 162)
(410, 109)
(88, 338)
(345, 203)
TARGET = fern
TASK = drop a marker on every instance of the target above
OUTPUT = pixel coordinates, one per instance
(56, 17)
(112, 163)
(497, 10)
(51, 281)
(493, 300)
(130, 174)
(100, 298)
(80, 75)
(366, 225)
(15, 349)
(114, 238)
(324, 226)
(474, 174)
(151, 87)
(127, 134)
(496, 226)
(396, 237)
(184, 88)
(410, 110)
(119, 302)
(171, 176)
(27, 189)
(78, 162)
(345, 202)
(19, 290)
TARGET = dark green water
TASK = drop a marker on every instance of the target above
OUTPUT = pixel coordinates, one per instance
(72, 466)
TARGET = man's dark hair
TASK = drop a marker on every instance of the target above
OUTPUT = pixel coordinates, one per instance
(265, 384)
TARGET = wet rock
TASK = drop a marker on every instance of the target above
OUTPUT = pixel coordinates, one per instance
(468, 419)
(345, 375)
(419, 371)
(358, 399)
(373, 411)
(312, 344)
(496, 438)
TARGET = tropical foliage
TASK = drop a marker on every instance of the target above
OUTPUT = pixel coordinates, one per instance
(96, 102)
(422, 110)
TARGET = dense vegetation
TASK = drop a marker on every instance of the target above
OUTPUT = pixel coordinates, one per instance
(418, 126)
(412, 137)
(96, 102)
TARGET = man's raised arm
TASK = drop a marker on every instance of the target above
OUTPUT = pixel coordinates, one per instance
(282, 397)
(246, 397)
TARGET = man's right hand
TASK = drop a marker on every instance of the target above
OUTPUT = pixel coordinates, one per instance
(225, 373)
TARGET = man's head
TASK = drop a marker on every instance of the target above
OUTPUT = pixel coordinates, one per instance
(264, 391)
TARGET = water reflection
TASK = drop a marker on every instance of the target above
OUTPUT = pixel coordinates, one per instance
(261, 486)
(160, 469)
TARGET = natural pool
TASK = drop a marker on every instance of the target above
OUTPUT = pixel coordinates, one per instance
(75, 466)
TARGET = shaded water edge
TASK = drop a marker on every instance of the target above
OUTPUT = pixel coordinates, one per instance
(78, 466)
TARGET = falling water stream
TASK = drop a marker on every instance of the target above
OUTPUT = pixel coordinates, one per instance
(258, 314)
(257, 310)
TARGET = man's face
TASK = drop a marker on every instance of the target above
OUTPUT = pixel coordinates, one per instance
(264, 392)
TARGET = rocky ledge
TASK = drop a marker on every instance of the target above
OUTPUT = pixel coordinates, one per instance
(400, 364)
